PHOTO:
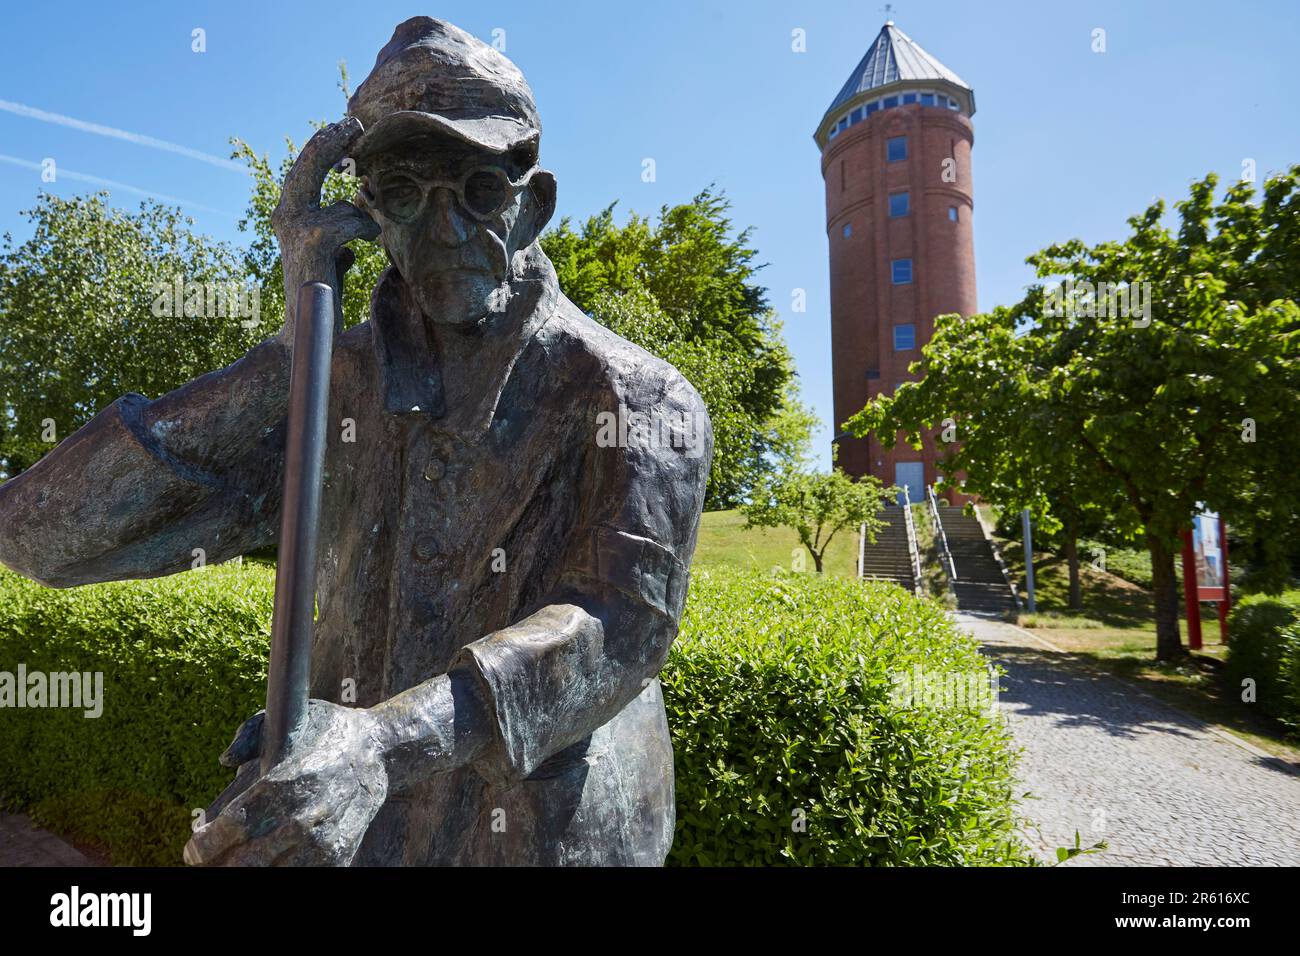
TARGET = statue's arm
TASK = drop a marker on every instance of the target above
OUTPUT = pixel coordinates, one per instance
(150, 488)
(521, 694)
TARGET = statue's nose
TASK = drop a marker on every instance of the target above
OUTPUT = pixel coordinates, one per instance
(449, 227)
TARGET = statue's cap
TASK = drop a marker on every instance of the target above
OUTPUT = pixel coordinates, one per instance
(435, 77)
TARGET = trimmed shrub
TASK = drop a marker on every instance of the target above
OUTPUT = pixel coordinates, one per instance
(1264, 646)
(183, 660)
(791, 747)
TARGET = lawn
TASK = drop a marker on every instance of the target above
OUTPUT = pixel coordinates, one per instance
(724, 542)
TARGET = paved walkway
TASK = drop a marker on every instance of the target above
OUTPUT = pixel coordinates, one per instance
(1104, 758)
(22, 843)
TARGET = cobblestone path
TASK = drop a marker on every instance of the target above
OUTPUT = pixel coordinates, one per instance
(1104, 758)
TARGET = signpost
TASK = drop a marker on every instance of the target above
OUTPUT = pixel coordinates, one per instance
(1205, 574)
(1029, 560)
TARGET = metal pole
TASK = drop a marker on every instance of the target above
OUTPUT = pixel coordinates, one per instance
(295, 573)
(1029, 561)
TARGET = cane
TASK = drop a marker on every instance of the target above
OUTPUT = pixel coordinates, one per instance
(295, 573)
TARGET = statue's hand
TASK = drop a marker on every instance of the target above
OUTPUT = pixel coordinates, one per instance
(311, 809)
(312, 237)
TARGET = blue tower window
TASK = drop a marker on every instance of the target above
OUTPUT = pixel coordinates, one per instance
(896, 149)
(902, 271)
(898, 205)
(904, 338)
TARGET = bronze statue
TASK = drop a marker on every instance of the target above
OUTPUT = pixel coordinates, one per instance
(500, 587)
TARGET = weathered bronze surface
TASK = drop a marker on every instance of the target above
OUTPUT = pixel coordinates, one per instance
(500, 585)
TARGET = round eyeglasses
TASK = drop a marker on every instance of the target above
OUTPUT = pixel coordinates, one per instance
(484, 192)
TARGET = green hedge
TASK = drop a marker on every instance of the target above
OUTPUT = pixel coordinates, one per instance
(790, 747)
(1264, 646)
(778, 694)
(184, 662)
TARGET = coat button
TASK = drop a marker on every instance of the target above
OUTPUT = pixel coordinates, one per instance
(435, 469)
(425, 547)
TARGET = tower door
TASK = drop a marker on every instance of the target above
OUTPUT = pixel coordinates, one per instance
(910, 475)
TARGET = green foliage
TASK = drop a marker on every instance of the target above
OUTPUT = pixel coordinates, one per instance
(1126, 423)
(817, 505)
(77, 323)
(778, 696)
(1264, 646)
(682, 289)
(184, 663)
(779, 701)
(262, 258)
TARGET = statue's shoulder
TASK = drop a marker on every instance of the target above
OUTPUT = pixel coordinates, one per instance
(612, 364)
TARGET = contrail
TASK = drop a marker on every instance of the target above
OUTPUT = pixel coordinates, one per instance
(139, 139)
(95, 180)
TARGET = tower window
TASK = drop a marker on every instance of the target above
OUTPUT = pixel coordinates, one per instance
(855, 116)
(909, 98)
(904, 338)
(848, 229)
(952, 213)
(902, 271)
(927, 99)
(890, 102)
(896, 149)
(872, 107)
(898, 205)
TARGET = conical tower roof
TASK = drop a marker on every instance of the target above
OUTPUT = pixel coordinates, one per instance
(892, 58)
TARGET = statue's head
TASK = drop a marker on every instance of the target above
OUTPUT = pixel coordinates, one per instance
(449, 169)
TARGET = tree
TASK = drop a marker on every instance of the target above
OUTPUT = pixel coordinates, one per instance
(262, 258)
(817, 505)
(1169, 377)
(89, 310)
(997, 425)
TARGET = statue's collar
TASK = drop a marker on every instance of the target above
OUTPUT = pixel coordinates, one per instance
(409, 368)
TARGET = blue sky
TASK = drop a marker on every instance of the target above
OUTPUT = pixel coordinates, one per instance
(1068, 142)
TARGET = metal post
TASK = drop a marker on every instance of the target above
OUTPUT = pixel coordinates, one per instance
(1030, 606)
(295, 575)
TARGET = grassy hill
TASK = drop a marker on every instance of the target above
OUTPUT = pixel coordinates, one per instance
(724, 542)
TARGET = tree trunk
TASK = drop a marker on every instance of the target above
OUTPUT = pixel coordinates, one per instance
(1169, 644)
(1072, 559)
(817, 561)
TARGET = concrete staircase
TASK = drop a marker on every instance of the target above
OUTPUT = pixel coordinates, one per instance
(980, 585)
(890, 558)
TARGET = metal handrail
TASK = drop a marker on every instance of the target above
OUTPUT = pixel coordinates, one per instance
(997, 556)
(862, 551)
(911, 542)
(949, 563)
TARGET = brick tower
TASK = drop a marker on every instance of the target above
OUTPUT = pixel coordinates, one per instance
(896, 149)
